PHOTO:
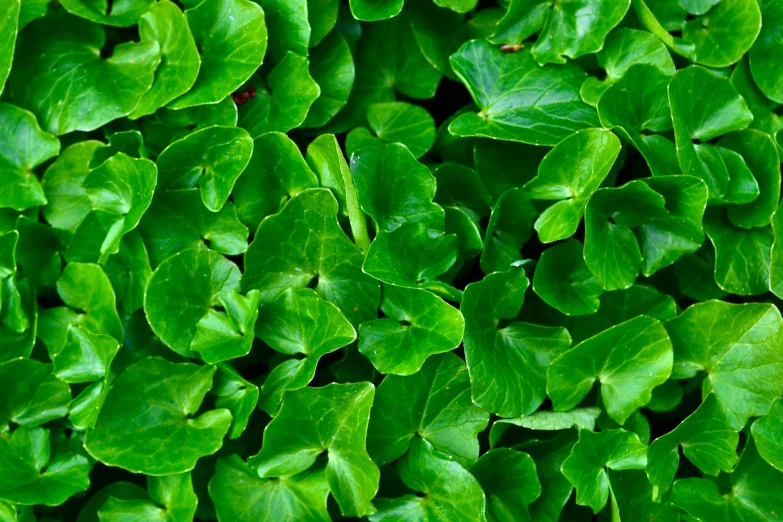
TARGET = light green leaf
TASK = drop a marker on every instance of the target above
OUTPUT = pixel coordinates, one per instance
(706, 438)
(611, 250)
(636, 106)
(449, 493)
(240, 495)
(572, 29)
(286, 101)
(742, 256)
(122, 14)
(236, 395)
(276, 172)
(705, 106)
(37, 396)
(332, 68)
(409, 256)
(148, 422)
(586, 467)
(231, 38)
(178, 220)
(31, 473)
(211, 159)
(541, 110)
(768, 45)
(400, 122)
(564, 282)
(373, 10)
(750, 333)
(624, 48)
(394, 189)
(303, 243)
(299, 323)
(776, 256)
(569, 174)
(628, 360)
(23, 146)
(198, 281)
(326, 159)
(332, 419)
(433, 404)
(86, 356)
(289, 29)
(753, 495)
(9, 27)
(508, 478)
(165, 24)
(63, 79)
(171, 499)
(542, 420)
(507, 365)
(417, 325)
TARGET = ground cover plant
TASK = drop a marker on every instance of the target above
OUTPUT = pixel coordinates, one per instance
(391, 260)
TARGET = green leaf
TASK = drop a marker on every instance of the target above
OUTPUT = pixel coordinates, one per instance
(409, 256)
(241, 495)
(440, 31)
(276, 172)
(510, 225)
(571, 29)
(31, 473)
(705, 106)
(85, 357)
(96, 310)
(9, 27)
(668, 238)
(289, 29)
(624, 48)
(569, 174)
(332, 68)
(231, 37)
(303, 244)
(636, 106)
(586, 467)
(400, 122)
(171, 499)
(564, 282)
(326, 159)
(158, 399)
(542, 110)
(460, 186)
(542, 420)
(104, 12)
(629, 360)
(753, 494)
(37, 396)
(555, 488)
(286, 101)
(508, 478)
(394, 189)
(433, 404)
(724, 33)
(299, 323)
(761, 156)
(751, 334)
(448, 491)
(211, 159)
(611, 250)
(620, 306)
(632, 498)
(742, 256)
(417, 325)
(178, 220)
(63, 79)
(497, 164)
(762, 55)
(129, 270)
(373, 10)
(199, 281)
(507, 365)
(164, 23)
(236, 395)
(706, 438)
(775, 264)
(331, 419)
(23, 146)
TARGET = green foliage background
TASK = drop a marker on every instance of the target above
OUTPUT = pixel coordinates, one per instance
(391, 260)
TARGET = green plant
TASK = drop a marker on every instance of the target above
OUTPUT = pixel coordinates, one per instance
(391, 260)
